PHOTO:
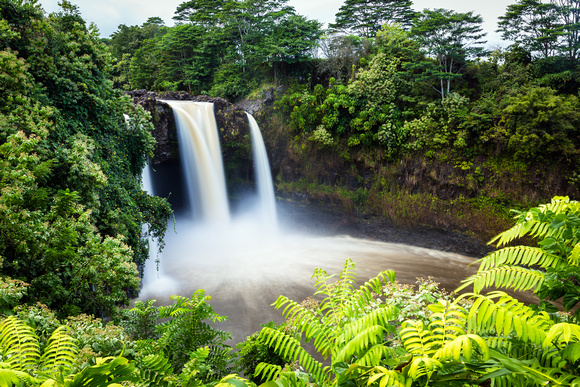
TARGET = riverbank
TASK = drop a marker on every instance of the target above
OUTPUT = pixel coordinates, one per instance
(311, 216)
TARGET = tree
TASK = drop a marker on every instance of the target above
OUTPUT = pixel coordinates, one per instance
(450, 38)
(365, 17)
(533, 25)
(291, 41)
(72, 206)
(568, 12)
(204, 13)
(342, 54)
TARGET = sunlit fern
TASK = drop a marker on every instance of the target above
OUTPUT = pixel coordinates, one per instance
(555, 225)
(19, 345)
(340, 327)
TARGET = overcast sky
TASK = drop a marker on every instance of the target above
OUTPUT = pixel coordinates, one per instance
(108, 14)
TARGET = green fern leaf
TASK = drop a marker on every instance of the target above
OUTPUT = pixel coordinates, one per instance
(290, 348)
(417, 340)
(461, 348)
(268, 372)
(514, 317)
(387, 377)
(10, 378)
(562, 334)
(19, 344)
(574, 258)
(60, 352)
(358, 346)
(517, 278)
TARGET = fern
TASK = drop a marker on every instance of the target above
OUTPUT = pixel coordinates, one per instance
(562, 334)
(386, 377)
(19, 344)
(155, 369)
(60, 353)
(448, 320)
(507, 316)
(556, 227)
(417, 340)
(290, 348)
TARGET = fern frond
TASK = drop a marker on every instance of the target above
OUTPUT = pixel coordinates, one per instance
(61, 351)
(574, 258)
(562, 334)
(307, 322)
(357, 346)
(19, 344)
(517, 278)
(506, 315)
(374, 355)
(268, 372)
(540, 222)
(367, 291)
(520, 255)
(422, 366)
(9, 378)
(288, 347)
(448, 321)
(387, 377)
(106, 372)
(417, 340)
(533, 372)
(380, 317)
(154, 369)
(462, 348)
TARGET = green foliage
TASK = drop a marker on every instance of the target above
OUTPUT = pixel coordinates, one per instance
(451, 38)
(540, 123)
(340, 326)
(252, 352)
(550, 269)
(141, 320)
(72, 207)
(223, 48)
(365, 17)
(180, 336)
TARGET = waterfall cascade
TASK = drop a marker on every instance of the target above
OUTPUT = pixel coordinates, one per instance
(264, 184)
(242, 261)
(201, 160)
(208, 215)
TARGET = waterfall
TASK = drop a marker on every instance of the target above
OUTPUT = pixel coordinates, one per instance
(264, 185)
(150, 270)
(201, 159)
(154, 276)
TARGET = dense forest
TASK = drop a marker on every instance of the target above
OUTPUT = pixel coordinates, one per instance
(390, 111)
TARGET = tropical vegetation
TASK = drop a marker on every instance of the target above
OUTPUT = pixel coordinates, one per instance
(405, 114)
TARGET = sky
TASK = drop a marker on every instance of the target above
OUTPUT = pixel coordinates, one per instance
(109, 14)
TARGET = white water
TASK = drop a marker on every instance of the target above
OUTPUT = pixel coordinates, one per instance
(154, 272)
(244, 264)
(200, 151)
(264, 185)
